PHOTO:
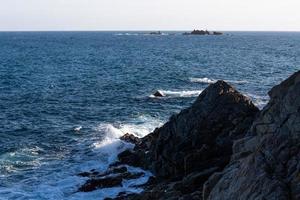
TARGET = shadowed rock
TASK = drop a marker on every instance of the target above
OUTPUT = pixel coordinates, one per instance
(158, 94)
(131, 138)
(266, 163)
(193, 144)
(199, 137)
(94, 184)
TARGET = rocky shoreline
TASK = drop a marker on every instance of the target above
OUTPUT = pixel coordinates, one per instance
(222, 147)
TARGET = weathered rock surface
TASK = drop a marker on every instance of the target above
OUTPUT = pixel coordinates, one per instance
(220, 148)
(131, 139)
(158, 94)
(194, 144)
(199, 137)
(111, 178)
(266, 163)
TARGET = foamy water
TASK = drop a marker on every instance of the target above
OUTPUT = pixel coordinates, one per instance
(63, 108)
(63, 183)
(178, 94)
(210, 81)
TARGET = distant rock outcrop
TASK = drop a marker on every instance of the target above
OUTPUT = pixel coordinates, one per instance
(266, 163)
(202, 32)
(156, 33)
(199, 32)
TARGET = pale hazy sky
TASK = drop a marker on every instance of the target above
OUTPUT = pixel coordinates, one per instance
(269, 15)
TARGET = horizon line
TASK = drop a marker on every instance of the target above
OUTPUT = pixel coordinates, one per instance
(144, 30)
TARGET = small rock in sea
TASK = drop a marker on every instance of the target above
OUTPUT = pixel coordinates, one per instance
(158, 94)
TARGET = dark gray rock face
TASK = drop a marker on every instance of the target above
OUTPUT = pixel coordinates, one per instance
(111, 178)
(158, 94)
(193, 144)
(201, 136)
(266, 163)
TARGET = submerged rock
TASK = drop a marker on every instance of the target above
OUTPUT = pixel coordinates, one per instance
(266, 164)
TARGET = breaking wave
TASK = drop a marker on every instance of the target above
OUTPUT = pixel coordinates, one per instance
(210, 81)
(177, 94)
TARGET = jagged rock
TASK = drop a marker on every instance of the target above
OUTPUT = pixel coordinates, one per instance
(131, 138)
(130, 157)
(266, 164)
(94, 184)
(193, 144)
(200, 32)
(158, 94)
(199, 137)
(109, 179)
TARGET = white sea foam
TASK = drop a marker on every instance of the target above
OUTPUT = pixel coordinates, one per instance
(210, 81)
(259, 101)
(78, 128)
(127, 34)
(202, 80)
(176, 94)
(57, 179)
(140, 34)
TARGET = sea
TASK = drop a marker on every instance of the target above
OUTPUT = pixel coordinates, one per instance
(67, 97)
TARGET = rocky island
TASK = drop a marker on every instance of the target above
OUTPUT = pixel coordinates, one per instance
(222, 147)
(202, 32)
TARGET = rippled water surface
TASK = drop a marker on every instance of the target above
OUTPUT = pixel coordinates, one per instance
(65, 97)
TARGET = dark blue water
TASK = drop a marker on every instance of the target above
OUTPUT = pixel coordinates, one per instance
(65, 97)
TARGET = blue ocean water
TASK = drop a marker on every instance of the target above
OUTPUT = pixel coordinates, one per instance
(66, 97)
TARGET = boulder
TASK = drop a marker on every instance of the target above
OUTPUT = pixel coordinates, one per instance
(158, 94)
(266, 163)
(130, 138)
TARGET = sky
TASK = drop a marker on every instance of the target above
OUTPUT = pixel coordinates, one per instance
(226, 15)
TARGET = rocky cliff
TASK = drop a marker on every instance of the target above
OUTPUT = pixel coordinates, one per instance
(195, 143)
(201, 136)
(222, 147)
(266, 163)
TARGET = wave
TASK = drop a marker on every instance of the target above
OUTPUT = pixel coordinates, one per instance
(127, 34)
(141, 34)
(57, 178)
(176, 94)
(210, 81)
(259, 101)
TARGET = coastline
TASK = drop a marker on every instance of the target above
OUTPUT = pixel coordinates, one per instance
(194, 153)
